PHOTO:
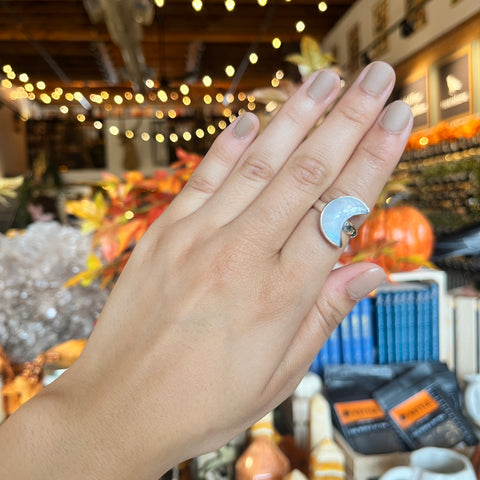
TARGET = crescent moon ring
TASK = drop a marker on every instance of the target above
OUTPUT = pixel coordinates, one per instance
(335, 216)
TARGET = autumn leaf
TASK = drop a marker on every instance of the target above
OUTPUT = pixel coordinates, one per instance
(8, 187)
(311, 57)
(91, 212)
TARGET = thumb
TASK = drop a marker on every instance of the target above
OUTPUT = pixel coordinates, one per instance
(344, 287)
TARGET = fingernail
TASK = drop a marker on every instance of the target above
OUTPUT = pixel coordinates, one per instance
(360, 286)
(323, 85)
(242, 126)
(396, 117)
(378, 78)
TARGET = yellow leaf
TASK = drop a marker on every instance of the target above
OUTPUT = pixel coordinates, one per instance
(93, 262)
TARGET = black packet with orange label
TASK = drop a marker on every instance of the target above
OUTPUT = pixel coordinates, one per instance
(423, 406)
(358, 416)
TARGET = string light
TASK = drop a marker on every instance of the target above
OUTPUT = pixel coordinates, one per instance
(81, 117)
(262, 3)
(197, 5)
(300, 26)
(230, 70)
(149, 83)
(187, 136)
(230, 5)
(129, 134)
(207, 80)
(64, 109)
(145, 136)
(184, 89)
(173, 137)
(159, 138)
(279, 74)
(159, 114)
(162, 96)
(98, 124)
(7, 68)
(276, 43)
(253, 57)
(222, 124)
(199, 133)
(23, 77)
(159, 3)
(41, 85)
(207, 99)
(322, 6)
(114, 130)
(118, 99)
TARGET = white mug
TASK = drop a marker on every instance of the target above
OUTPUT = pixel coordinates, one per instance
(433, 463)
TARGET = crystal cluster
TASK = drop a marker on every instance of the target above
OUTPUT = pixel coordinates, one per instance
(36, 311)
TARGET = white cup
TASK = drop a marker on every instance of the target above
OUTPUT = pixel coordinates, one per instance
(433, 463)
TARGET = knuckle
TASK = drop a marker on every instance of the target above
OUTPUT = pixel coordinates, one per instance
(309, 170)
(201, 184)
(331, 314)
(257, 169)
(375, 153)
(355, 113)
(293, 115)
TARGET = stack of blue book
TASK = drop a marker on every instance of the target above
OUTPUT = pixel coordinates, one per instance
(399, 324)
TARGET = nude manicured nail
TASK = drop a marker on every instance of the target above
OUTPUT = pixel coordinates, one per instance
(242, 126)
(378, 78)
(323, 85)
(396, 117)
(359, 287)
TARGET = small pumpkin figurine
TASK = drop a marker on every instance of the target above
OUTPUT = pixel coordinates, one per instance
(397, 237)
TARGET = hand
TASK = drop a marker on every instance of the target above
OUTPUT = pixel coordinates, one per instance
(228, 297)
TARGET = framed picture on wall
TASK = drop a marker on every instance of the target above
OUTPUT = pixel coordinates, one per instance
(353, 42)
(379, 25)
(454, 85)
(414, 91)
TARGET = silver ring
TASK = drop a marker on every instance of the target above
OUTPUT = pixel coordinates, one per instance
(335, 216)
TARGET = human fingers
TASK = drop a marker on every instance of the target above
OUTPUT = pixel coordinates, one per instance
(344, 287)
(319, 160)
(272, 148)
(215, 166)
(363, 177)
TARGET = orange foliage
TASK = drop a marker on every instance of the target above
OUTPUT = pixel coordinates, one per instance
(121, 213)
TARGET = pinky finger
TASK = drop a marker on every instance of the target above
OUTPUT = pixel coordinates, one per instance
(344, 287)
(215, 167)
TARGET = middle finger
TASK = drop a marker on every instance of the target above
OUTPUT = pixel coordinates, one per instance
(319, 160)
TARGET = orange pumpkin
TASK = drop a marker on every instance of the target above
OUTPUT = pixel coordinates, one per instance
(398, 238)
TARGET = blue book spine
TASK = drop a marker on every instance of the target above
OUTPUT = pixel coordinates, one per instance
(356, 335)
(411, 326)
(366, 325)
(381, 328)
(421, 299)
(390, 326)
(435, 355)
(346, 336)
(400, 302)
(335, 348)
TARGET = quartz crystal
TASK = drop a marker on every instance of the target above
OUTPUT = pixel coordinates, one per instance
(36, 311)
